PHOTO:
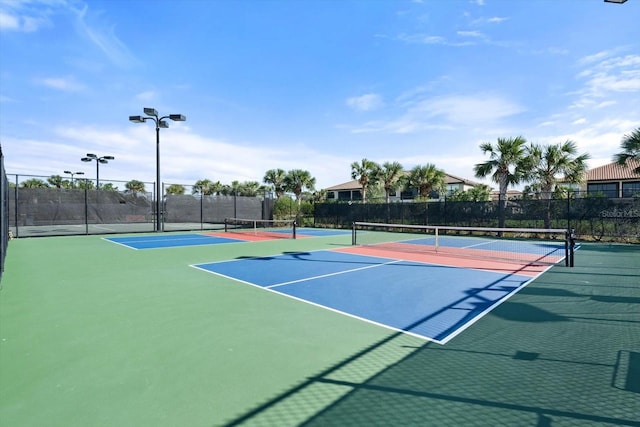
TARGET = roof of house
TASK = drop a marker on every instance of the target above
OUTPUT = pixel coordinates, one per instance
(614, 172)
(355, 185)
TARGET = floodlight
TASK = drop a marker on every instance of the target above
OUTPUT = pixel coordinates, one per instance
(160, 123)
(615, 1)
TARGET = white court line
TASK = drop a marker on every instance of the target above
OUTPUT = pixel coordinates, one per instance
(331, 274)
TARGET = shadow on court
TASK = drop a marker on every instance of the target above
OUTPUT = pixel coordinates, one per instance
(563, 352)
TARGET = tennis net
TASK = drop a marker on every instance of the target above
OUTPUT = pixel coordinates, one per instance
(519, 245)
(267, 228)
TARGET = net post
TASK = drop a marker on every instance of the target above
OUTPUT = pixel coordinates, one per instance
(437, 239)
(295, 224)
(353, 234)
(572, 246)
(566, 249)
(225, 225)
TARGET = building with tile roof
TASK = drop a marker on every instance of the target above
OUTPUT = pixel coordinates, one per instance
(614, 180)
(352, 190)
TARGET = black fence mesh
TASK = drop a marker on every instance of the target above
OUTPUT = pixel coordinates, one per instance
(592, 217)
(46, 211)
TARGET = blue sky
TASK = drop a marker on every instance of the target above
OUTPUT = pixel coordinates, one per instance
(313, 84)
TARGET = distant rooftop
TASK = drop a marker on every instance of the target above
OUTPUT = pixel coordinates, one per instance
(355, 185)
(613, 172)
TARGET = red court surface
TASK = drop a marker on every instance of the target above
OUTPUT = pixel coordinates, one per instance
(462, 259)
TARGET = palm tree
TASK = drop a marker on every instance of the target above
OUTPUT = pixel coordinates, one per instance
(249, 188)
(426, 178)
(34, 183)
(175, 189)
(366, 173)
(134, 186)
(631, 149)
(56, 181)
(552, 164)
(390, 174)
(206, 187)
(275, 177)
(506, 165)
(479, 193)
(297, 180)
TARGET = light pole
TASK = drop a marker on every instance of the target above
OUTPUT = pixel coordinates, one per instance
(103, 159)
(72, 174)
(160, 122)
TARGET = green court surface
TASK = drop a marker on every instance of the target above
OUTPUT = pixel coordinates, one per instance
(96, 334)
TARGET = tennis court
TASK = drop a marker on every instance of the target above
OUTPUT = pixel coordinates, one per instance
(317, 331)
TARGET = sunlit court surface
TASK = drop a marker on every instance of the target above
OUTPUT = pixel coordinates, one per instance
(249, 327)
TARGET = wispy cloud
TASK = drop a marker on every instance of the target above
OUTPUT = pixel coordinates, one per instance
(444, 113)
(23, 16)
(605, 74)
(103, 36)
(67, 84)
(32, 15)
(367, 102)
(146, 96)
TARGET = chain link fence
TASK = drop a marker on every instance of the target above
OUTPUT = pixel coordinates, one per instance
(592, 217)
(38, 208)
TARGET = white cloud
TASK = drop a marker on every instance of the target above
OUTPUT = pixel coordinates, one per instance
(497, 19)
(367, 102)
(68, 84)
(444, 113)
(146, 96)
(184, 157)
(20, 18)
(103, 36)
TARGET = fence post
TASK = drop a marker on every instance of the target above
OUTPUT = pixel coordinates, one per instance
(86, 208)
(15, 207)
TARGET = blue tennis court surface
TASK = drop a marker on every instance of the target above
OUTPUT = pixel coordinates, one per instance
(212, 238)
(170, 240)
(434, 302)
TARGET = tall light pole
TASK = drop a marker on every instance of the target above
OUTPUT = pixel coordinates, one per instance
(72, 174)
(103, 159)
(160, 122)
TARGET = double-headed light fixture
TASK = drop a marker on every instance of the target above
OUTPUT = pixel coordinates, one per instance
(102, 159)
(160, 122)
(72, 174)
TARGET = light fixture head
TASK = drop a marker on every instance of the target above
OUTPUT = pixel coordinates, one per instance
(177, 117)
(68, 172)
(102, 160)
(79, 173)
(163, 124)
(150, 112)
(108, 157)
(615, 1)
(86, 159)
(137, 119)
(91, 156)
